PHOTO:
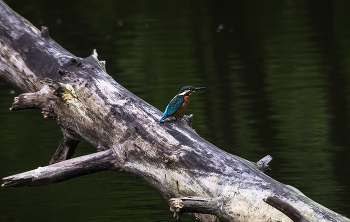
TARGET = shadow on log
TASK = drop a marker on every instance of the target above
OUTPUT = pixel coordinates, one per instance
(190, 173)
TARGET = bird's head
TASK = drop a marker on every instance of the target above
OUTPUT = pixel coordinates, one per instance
(187, 90)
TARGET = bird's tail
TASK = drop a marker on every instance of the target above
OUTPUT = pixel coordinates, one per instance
(163, 117)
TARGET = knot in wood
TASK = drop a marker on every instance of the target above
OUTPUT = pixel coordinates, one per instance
(169, 161)
(45, 32)
(74, 61)
(61, 72)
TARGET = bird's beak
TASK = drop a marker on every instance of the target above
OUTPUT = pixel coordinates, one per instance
(199, 88)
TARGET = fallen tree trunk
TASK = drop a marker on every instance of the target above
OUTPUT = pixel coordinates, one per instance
(193, 175)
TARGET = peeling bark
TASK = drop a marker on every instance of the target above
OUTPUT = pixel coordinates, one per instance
(87, 103)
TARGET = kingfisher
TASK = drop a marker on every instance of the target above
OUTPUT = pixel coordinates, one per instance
(179, 102)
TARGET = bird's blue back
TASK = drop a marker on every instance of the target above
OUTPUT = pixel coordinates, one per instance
(173, 106)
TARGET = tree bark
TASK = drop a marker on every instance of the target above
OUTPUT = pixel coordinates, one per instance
(193, 175)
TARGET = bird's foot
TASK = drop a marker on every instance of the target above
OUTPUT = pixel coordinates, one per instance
(178, 118)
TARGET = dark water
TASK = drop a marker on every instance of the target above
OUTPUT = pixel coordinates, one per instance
(278, 82)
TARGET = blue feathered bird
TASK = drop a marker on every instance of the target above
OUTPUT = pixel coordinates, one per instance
(179, 102)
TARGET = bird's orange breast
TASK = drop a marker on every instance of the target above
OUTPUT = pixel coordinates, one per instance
(184, 105)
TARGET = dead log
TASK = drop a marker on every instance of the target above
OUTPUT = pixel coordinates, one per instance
(193, 175)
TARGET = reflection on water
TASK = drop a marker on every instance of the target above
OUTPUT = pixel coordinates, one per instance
(277, 83)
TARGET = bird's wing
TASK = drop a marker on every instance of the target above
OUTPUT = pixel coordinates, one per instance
(174, 105)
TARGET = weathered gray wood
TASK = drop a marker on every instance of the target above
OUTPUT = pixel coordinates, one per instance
(86, 102)
(101, 161)
(197, 205)
(263, 164)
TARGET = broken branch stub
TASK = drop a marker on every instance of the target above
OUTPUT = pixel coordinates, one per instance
(263, 163)
(201, 205)
(62, 171)
(286, 208)
(67, 147)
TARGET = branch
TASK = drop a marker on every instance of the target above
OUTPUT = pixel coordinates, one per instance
(67, 147)
(35, 100)
(65, 170)
(195, 205)
(51, 91)
(287, 209)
